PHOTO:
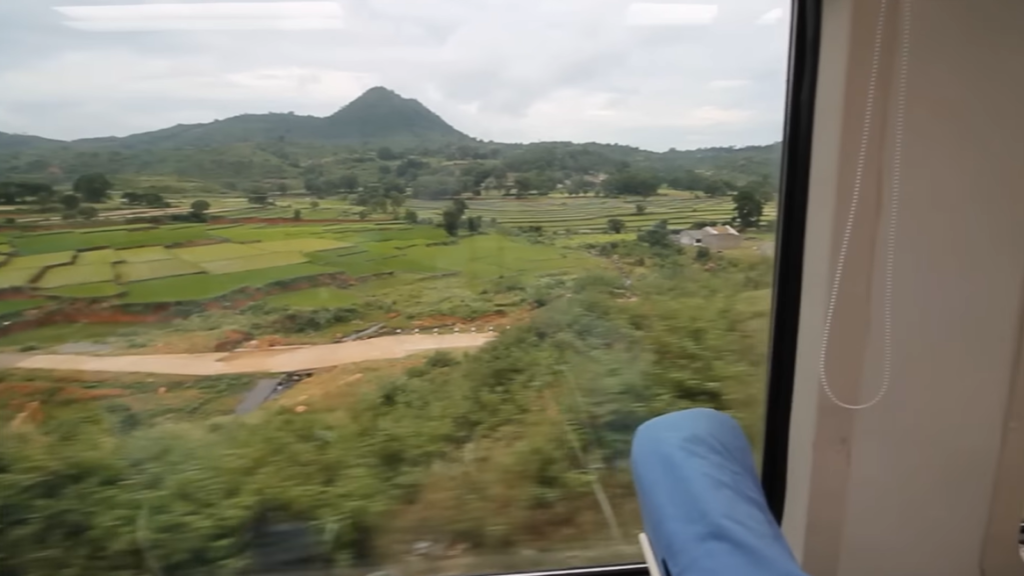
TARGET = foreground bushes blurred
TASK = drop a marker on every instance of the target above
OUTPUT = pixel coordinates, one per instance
(513, 446)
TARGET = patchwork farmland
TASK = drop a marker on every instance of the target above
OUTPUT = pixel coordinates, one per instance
(137, 264)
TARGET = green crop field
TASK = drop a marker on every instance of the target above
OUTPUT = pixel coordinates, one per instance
(106, 256)
(266, 260)
(205, 286)
(214, 252)
(301, 245)
(17, 277)
(41, 260)
(76, 274)
(99, 290)
(13, 306)
(108, 238)
(120, 228)
(268, 233)
(147, 254)
(139, 271)
(147, 263)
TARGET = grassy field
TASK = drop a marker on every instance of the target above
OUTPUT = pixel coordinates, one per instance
(12, 306)
(99, 290)
(260, 261)
(139, 271)
(205, 286)
(76, 274)
(215, 252)
(146, 263)
(17, 277)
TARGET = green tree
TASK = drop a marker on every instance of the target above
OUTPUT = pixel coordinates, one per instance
(348, 182)
(297, 214)
(200, 206)
(411, 216)
(475, 224)
(70, 201)
(657, 236)
(435, 187)
(451, 218)
(392, 186)
(748, 207)
(396, 201)
(364, 214)
(132, 198)
(632, 183)
(641, 208)
(715, 188)
(386, 154)
(616, 225)
(154, 200)
(523, 183)
(314, 204)
(92, 187)
(314, 185)
(282, 187)
(88, 212)
(580, 185)
(259, 199)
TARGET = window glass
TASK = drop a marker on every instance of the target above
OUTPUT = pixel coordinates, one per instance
(376, 285)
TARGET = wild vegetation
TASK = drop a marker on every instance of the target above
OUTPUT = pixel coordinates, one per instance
(208, 237)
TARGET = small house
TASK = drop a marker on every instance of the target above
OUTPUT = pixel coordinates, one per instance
(714, 237)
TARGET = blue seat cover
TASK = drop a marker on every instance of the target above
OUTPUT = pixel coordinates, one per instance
(703, 508)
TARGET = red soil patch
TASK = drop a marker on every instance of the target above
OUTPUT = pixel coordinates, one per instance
(232, 339)
(75, 393)
(17, 294)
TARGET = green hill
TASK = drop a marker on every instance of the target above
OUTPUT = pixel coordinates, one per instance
(379, 116)
(12, 142)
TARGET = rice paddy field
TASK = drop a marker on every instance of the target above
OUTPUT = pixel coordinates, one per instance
(141, 264)
(591, 214)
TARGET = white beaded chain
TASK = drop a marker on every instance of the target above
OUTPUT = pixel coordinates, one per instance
(893, 208)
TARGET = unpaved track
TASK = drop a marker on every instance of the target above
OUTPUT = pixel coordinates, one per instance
(240, 362)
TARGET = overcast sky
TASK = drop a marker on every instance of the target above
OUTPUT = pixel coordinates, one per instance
(679, 75)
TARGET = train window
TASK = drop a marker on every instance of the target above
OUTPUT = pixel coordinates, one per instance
(376, 286)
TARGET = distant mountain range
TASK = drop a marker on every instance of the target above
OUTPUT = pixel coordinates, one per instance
(378, 116)
(264, 147)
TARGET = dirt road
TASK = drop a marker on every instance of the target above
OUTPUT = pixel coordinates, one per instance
(240, 362)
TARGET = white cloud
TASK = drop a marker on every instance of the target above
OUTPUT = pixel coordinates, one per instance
(112, 76)
(728, 83)
(772, 16)
(218, 24)
(205, 16)
(204, 10)
(505, 70)
(650, 14)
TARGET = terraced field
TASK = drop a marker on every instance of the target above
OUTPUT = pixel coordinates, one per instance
(583, 214)
(181, 262)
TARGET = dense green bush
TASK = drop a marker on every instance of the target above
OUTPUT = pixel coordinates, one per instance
(496, 449)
